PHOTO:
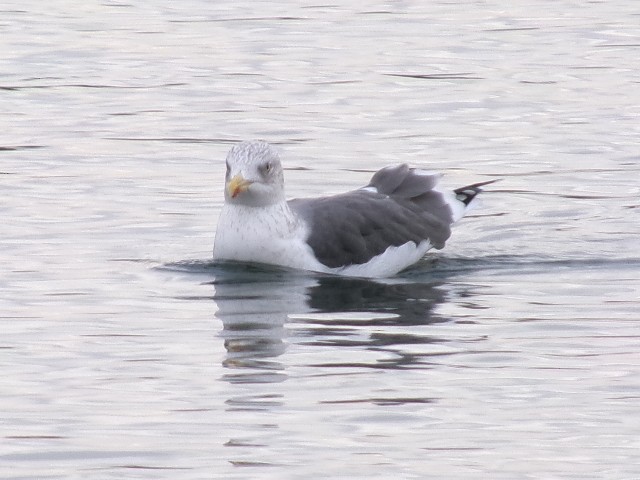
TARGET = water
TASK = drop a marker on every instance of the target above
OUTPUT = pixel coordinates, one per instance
(511, 354)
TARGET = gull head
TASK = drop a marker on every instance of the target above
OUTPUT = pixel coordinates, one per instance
(254, 175)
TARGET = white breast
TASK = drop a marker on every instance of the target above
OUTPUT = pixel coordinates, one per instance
(271, 235)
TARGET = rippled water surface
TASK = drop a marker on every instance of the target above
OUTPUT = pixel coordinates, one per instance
(514, 353)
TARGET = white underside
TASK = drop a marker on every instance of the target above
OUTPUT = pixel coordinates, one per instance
(388, 263)
(274, 236)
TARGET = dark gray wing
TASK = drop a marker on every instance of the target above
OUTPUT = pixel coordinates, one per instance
(354, 227)
(398, 206)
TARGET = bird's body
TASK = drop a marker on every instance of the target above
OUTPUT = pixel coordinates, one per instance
(375, 231)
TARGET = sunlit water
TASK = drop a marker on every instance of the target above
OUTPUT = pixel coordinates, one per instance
(125, 353)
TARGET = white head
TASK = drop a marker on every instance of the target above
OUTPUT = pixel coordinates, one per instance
(254, 175)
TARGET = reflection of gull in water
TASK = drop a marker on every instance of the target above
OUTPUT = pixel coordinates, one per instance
(259, 308)
(253, 305)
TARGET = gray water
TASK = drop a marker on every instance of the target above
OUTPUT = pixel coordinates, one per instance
(125, 353)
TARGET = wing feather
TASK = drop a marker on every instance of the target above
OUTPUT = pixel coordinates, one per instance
(354, 227)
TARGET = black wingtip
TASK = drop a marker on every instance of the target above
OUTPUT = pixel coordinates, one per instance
(468, 193)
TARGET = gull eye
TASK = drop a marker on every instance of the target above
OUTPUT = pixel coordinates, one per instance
(266, 168)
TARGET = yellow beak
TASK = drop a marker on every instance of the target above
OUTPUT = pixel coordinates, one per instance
(237, 185)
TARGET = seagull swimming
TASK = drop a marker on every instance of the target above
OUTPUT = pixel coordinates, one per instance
(374, 231)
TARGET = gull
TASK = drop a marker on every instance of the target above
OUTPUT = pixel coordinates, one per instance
(375, 231)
